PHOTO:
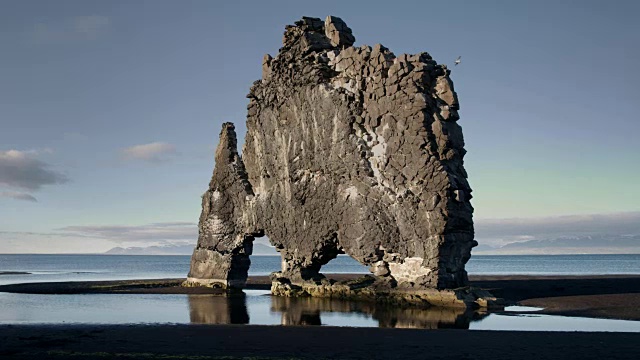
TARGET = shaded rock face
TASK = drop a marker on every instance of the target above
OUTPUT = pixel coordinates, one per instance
(348, 150)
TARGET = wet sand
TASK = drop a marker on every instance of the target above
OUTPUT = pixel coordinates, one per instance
(598, 296)
(602, 296)
(591, 296)
(14, 273)
(279, 342)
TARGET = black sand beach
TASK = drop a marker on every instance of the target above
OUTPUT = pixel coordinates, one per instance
(598, 296)
(279, 342)
(615, 297)
(14, 273)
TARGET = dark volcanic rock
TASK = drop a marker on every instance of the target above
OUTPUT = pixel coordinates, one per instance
(348, 150)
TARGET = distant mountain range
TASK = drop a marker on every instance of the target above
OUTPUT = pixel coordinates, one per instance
(587, 244)
(153, 250)
(258, 249)
(579, 244)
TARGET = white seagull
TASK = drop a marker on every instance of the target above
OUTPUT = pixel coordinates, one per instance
(457, 61)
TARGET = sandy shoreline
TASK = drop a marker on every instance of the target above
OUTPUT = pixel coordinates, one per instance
(600, 296)
(597, 296)
(279, 342)
(14, 273)
(610, 296)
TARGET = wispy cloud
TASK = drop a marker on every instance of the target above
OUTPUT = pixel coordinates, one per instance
(152, 152)
(18, 196)
(74, 137)
(501, 232)
(79, 28)
(90, 26)
(627, 222)
(37, 152)
(26, 242)
(22, 170)
(99, 238)
(15, 235)
(157, 233)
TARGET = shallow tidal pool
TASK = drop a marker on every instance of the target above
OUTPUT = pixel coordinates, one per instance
(257, 307)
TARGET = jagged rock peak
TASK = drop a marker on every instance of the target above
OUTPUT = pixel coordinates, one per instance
(312, 34)
(227, 149)
(338, 32)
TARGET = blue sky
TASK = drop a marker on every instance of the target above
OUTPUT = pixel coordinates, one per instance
(110, 110)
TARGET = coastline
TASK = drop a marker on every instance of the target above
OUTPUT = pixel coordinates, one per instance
(593, 296)
(598, 296)
(14, 273)
(281, 342)
(604, 296)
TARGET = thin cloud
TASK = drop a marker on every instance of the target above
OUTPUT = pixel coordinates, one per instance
(74, 137)
(37, 152)
(22, 170)
(173, 224)
(90, 26)
(16, 235)
(152, 152)
(100, 238)
(16, 242)
(500, 232)
(164, 233)
(628, 222)
(79, 28)
(18, 196)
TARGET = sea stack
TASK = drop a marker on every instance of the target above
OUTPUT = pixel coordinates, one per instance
(349, 150)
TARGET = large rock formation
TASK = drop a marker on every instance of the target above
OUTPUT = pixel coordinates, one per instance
(348, 150)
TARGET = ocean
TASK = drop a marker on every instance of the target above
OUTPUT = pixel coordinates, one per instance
(259, 308)
(40, 268)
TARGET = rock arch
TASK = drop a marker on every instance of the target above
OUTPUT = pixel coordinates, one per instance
(348, 149)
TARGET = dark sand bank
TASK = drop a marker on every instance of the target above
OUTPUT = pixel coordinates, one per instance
(14, 273)
(603, 296)
(598, 296)
(156, 286)
(276, 342)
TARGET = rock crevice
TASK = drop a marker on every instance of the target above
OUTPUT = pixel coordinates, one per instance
(348, 150)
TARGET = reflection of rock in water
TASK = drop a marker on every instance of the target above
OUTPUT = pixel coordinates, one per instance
(208, 309)
(431, 318)
(295, 312)
(306, 311)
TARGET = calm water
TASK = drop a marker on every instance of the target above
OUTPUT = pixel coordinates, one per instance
(257, 307)
(122, 267)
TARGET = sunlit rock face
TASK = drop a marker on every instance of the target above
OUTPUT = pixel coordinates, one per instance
(348, 150)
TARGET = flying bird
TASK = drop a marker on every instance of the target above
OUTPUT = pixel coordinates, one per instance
(457, 61)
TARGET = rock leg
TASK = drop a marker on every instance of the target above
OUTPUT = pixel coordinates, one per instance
(221, 257)
(300, 268)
